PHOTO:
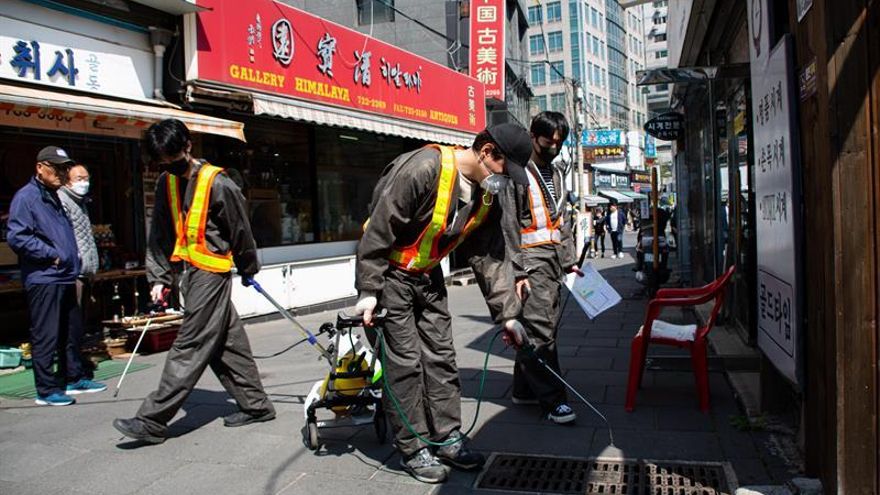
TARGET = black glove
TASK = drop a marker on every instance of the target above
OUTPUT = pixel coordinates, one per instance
(246, 279)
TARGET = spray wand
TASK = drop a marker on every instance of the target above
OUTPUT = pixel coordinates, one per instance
(526, 346)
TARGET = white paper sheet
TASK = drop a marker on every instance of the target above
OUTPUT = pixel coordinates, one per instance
(592, 292)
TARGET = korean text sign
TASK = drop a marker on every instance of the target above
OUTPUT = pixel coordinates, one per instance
(274, 48)
(487, 45)
(42, 55)
(778, 199)
(603, 138)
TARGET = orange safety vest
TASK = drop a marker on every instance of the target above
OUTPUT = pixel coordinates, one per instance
(424, 254)
(543, 229)
(190, 245)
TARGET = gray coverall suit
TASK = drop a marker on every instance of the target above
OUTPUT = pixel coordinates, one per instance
(546, 266)
(212, 333)
(420, 363)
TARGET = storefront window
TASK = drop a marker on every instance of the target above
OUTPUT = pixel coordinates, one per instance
(348, 165)
(276, 178)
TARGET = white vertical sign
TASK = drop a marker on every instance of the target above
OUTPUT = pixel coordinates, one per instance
(778, 197)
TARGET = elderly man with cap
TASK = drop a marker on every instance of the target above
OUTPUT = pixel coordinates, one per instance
(428, 202)
(42, 236)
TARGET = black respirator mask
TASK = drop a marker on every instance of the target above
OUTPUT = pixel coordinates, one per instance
(547, 154)
(178, 167)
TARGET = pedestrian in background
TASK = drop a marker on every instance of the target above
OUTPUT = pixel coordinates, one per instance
(615, 223)
(43, 238)
(75, 200)
(199, 227)
(548, 253)
(599, 231)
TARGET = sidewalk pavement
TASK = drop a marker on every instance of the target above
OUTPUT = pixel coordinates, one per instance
(75, 450)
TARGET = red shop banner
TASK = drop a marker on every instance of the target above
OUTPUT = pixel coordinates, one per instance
(487, 45)
(274, 48)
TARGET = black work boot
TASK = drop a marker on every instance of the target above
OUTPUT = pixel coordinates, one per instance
(242, 418)
(424, 467)
(137, 429)
(457, 455)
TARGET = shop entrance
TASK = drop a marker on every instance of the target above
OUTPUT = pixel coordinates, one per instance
(116, 212)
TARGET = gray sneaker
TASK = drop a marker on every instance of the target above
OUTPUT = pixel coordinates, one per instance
(459, 456)
(424, 467)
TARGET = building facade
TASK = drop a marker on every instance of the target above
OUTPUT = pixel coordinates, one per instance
(780, 162)
(89, 78)
(593, 45)
(438, 30)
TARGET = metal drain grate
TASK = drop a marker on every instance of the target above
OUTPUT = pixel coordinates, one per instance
(615, 477)
(539, 474)
(520, 473)
(674, 478)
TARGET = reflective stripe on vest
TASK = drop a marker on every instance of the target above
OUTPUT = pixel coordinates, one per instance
(176, 209)
(424, 254)
(191, 245)
(543, 229)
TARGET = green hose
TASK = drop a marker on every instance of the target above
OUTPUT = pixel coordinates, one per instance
(402, 416)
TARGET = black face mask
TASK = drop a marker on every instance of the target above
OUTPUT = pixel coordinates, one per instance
(547, 154)
(178, 167)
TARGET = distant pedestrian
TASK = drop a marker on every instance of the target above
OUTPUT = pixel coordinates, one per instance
(75, 200)
(599, 231)
(43, 238)
(615, 223)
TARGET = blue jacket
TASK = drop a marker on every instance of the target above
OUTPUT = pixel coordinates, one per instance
(621, 221)
(40, 232)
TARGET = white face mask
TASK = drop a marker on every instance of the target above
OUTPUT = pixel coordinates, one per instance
(493, 183)
(81, 188)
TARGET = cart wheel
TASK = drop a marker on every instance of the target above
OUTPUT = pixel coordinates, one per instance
(381, 425)
(313, 435)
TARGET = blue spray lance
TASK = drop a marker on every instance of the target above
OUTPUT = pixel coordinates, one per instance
(286, 314)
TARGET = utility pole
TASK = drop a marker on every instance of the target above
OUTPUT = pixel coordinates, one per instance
(585, 224)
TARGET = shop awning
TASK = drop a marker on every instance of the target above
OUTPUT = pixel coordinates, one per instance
(341, 117)
(290, 108)
(595, 200)
(634, 195)
(51, 110)
(615, 195)
(176, 7)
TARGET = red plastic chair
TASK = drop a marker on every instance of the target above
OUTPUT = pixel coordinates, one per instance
(697, 345)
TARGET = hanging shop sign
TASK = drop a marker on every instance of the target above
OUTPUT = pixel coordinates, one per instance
(41, 55)
(603, 138)
(600, 154)
(778, 196)
(642, 177)
(650, 147)
(271, 47)
(487, 45)
(608, 180)
(666, 127)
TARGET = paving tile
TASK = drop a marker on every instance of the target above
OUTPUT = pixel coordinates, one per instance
(319, 483)
(23, 460)
(665, 445)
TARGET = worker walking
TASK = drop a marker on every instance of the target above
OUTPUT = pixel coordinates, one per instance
(548, 252)
(199, 227)
(427, 203)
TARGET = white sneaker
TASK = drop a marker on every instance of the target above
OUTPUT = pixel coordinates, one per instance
(620, 255)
